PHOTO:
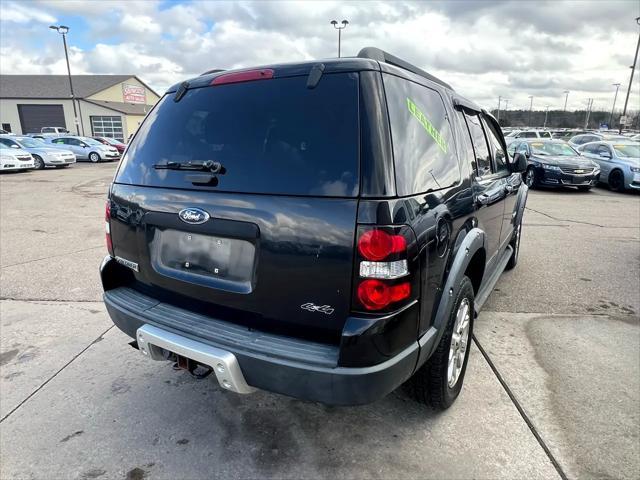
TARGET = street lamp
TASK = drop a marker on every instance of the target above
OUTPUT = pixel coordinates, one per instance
(335, 25)
(63, 30)
(530, 109)
(615, 97)
(633, 67)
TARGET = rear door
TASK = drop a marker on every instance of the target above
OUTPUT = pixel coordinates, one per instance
(268, 240)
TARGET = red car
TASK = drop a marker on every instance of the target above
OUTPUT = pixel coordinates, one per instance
(112, 142)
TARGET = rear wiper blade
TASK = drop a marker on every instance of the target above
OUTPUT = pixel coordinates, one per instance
(205, 165)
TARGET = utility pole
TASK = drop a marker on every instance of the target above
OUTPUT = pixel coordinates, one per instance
(499, 101)
(566, 98)
(506, 108)
(530, 109)
(617, 85)
(633, 67)
(546, 112)
(335, 25)
(63, 30)
(588, 113)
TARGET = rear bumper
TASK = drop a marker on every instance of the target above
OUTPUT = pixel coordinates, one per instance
(293, 367)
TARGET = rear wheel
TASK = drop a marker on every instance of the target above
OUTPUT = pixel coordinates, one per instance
(94, 157)
(616, 181)
(439, 381)
(530, 177)
(39, 163)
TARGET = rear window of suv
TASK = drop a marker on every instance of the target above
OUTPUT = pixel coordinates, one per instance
(271, 136)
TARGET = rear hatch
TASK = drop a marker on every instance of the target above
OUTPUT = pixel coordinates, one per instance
(240, 199)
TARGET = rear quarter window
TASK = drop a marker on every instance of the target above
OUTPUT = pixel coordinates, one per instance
(271, 136)
(423, 148)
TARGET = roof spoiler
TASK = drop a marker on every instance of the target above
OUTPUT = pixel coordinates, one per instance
(381, 56)
(215, 70)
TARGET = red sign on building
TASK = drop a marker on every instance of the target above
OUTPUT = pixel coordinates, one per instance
(133, 94)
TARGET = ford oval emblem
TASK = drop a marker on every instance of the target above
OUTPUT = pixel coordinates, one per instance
(194, 216)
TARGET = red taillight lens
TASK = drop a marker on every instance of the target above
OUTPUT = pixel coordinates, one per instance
(376, 295)
(377, 245)
(107, 228)
(248, 76)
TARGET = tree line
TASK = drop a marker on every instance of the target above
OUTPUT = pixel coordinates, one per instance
(561, 119)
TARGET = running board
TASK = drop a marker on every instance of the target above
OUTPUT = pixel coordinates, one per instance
(490, 283)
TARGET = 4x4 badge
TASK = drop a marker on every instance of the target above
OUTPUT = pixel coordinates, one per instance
(327, 309)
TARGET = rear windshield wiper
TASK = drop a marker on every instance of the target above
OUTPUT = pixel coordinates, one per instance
(204, 165)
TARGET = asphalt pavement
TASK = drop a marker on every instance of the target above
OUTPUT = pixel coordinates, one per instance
(552, 389)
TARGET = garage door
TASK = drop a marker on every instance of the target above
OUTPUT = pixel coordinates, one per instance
(103, 126)
(34, 117)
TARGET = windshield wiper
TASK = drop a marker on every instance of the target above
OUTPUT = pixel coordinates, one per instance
(204, 165)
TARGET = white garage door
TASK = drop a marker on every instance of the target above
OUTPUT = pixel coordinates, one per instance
(103, 126)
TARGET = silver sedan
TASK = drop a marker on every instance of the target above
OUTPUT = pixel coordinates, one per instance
(619, 162)
(43, 154)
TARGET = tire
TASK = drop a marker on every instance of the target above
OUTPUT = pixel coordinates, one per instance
(94, 157)
(38, 162)
(584, 189)
(431, 384)
(530, 178)
(616, 181)
(515, 244)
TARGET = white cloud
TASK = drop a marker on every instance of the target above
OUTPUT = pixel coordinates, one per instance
(484, 49)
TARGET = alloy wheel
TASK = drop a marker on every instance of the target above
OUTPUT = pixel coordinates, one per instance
(459, 342)
(531, 177)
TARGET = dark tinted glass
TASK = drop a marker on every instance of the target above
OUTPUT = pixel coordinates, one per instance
(496, 147)
(271, 136)
(483, 158)
(423, 149)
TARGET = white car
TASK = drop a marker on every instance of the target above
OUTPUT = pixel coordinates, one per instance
(524, 134)
(15, 159)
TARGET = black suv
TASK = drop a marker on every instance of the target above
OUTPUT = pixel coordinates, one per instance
(326, 230)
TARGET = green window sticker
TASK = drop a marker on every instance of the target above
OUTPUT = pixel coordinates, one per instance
(427, 125)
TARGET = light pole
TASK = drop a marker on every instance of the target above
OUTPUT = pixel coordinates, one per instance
(335, 25)
(506, 108)
(633, 67)
(615, 97)
(566, 98)
(530, 109)
(546, 112)
(499, 102)
(63, 30)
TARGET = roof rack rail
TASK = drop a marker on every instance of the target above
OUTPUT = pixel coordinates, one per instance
(215, 70)
(382, 56)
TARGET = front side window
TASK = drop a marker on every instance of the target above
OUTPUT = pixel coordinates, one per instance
(480, 145)
(496, 147)
(545, 135)
(590, 148)
(423, 147)
(528, 135)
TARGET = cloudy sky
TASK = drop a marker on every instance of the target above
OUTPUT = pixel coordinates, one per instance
(484, 50)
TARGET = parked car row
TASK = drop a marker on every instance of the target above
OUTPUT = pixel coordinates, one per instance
(43, 155)
(86, 148)
(555, 163)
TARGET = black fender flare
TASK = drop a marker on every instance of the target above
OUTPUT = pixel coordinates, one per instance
(473, 241)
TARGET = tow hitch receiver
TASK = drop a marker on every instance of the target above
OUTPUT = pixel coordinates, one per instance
(155, 343)
(194, 368)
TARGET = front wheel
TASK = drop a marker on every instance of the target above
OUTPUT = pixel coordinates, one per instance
(39, 163)
(530, 177)
(616, 181)
(94, 157)
(439, 381)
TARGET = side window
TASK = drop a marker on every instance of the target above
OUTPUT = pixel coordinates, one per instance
(511, 149)
(423, 148)
(603, 150)
(545, 135)
(496, 147)
(58, 141)
(522, 148)
(480, 146)
(73, 141)
(590, 148)
(6, 141)
(529, 135)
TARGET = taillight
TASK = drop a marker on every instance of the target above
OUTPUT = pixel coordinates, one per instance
(247, 76)
(385, 267)
(107, 228)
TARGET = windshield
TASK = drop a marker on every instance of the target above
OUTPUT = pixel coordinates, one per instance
(551, 148)
(273, 136)
(627, 150)
(29, 142)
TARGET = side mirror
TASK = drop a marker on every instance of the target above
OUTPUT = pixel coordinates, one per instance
(519, 163)
(14, 146)
(84, 145)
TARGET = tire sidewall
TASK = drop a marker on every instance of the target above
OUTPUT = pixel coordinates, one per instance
(613, 175)
(526, 178)
(92, 156)
(39, 162)
(464, 290)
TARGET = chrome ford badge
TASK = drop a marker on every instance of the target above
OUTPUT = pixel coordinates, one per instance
(194, 216)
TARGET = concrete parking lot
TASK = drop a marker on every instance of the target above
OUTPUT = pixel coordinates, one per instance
(552, 390)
